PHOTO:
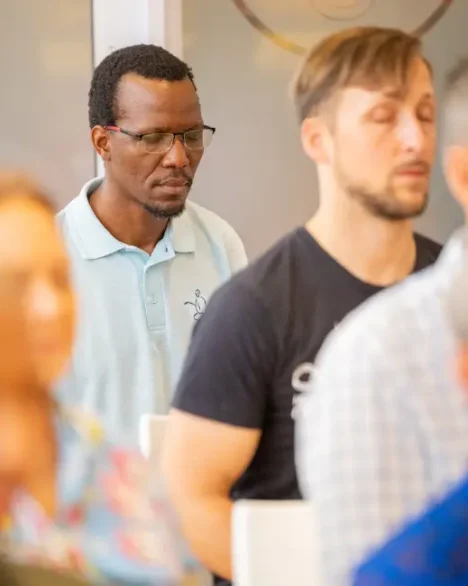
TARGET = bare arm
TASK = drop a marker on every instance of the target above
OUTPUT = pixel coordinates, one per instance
(201, 461)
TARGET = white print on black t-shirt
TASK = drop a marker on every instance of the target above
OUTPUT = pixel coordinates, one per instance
(302, 382)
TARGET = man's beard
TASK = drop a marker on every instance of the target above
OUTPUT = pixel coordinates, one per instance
(382, 204)
(165, 213)
(385, 205)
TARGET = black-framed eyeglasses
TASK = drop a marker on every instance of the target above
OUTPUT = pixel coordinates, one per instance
(161, 142)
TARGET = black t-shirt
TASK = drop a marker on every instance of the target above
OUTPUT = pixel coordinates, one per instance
(253, 350)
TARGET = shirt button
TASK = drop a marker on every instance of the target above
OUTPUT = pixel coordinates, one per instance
(152, 299)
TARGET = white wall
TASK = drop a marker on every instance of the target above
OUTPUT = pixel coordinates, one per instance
(47, 52)
(45, 67)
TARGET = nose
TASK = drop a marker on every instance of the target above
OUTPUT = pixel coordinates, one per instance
(45, 301)
(176, 156)
(411, 133)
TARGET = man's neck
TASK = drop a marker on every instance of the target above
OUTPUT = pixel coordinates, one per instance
(125, 219)
(377, 251)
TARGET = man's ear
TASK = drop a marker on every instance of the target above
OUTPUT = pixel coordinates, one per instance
(101, 142)
(314, 135)
(455, 161)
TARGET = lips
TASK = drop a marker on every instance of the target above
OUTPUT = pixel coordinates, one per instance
(415, 170)
(174, 183)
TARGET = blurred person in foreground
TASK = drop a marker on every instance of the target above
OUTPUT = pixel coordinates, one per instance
(384, 433)
(365, 100)
(69, 501)
(430, 548)
(145, 259)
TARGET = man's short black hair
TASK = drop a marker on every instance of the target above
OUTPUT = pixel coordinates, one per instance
(148, 61)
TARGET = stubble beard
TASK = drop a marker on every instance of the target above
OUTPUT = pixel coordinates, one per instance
(383, 204)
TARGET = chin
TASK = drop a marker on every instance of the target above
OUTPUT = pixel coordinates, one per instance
(166, 211)
(412, 204)
(398, 204)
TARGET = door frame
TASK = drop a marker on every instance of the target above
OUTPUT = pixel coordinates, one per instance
(119, 23)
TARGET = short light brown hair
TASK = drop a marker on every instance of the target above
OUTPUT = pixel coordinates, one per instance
(455, 109)
(361, 56)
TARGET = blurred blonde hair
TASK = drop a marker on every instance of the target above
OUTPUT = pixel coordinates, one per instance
(18, 184)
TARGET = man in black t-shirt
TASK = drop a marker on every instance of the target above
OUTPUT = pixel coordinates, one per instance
(366, 105)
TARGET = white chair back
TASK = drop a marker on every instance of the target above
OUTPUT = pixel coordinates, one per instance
(152, 432)
(275, 543)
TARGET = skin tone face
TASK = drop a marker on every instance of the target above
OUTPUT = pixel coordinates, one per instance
(463, 365)
(380, 145)
(36, 334)
(158, 182)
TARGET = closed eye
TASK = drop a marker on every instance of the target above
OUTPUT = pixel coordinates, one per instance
(426, 113)
(383, 115)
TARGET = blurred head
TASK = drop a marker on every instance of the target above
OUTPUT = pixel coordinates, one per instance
(38, 303)
(455, 132)
(138, 96)
(455, 157)
(36, 331)
(365, 100)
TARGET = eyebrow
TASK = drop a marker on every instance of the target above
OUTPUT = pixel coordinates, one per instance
(197, 126)
(398, 94)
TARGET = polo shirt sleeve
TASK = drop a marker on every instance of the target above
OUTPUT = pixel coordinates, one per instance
(230, 362)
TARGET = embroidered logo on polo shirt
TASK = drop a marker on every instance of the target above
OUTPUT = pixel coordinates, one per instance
(199, 305)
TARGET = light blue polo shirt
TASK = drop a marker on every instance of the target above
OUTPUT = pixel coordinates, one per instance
(136, 311)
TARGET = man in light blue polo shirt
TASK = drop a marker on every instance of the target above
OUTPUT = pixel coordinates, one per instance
(144, 260)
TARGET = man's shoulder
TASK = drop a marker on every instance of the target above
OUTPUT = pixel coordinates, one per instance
(388, 319)
(67, 225)
(261, 288)
(428, 250)
(208, 220)
(271, 272)
(61, 216)
(219, 233)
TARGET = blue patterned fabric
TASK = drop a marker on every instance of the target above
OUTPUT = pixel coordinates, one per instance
(431, 551)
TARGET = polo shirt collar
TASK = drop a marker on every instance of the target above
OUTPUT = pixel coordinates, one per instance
(95, 241)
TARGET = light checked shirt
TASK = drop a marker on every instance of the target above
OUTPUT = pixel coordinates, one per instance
(384, 433)
(137, 311)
